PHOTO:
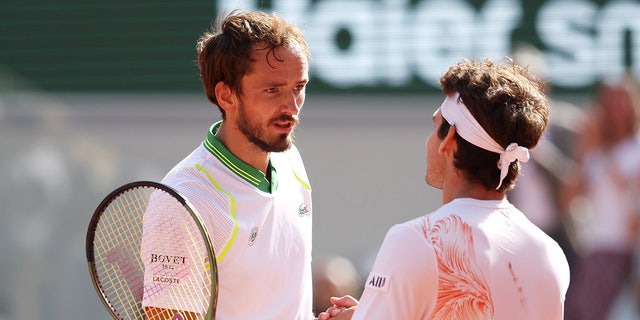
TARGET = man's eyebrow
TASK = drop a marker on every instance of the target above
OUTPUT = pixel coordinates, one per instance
(273, 84)
(282, 83)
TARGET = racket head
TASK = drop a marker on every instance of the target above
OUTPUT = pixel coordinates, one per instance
(115, 251)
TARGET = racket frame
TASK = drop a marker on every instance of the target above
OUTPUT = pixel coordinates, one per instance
(95, 220)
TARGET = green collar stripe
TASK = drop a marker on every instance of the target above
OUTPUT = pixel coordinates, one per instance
(235, 164)
(220, 155)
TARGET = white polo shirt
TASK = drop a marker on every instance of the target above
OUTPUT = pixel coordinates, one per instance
(470, 259)
(261, 230)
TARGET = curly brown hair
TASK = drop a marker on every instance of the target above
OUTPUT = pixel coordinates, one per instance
(224, 53)
(508, 102)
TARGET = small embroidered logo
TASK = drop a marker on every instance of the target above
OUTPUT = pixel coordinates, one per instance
(303, 210)
(253, 236)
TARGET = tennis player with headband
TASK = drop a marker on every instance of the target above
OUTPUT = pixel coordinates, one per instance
(477, 256)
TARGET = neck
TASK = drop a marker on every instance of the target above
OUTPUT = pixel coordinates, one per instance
(458, 187)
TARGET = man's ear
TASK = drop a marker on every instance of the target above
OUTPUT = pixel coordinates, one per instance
(449, 144)
(226, 97)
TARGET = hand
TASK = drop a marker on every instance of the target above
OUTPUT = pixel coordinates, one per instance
(343, 308)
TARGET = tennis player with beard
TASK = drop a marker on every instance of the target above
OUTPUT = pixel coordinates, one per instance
(247, 179)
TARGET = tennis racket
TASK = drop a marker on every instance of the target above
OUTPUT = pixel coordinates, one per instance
(150, 255)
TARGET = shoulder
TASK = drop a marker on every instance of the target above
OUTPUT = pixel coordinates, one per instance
(188, 166)
(403, 283)
(292, 161)
(556, 261)
(185, 176)
(291, 155)
(407, 251)
(197, 177)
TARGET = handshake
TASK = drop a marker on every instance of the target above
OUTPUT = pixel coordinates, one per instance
(343, 308)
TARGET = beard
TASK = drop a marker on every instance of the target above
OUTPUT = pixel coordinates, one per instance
(256, 134)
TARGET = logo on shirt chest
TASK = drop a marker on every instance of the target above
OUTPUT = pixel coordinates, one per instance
(303, 210)
(253, 235)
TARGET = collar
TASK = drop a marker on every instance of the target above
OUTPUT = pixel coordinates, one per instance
(235, 164)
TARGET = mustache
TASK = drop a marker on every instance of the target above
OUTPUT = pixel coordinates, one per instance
(287, 118)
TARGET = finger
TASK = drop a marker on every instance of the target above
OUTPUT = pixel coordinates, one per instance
(336, 311)
(344, 301)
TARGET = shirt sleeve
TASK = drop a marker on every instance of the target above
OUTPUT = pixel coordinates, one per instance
(170, 253)
(403, 283)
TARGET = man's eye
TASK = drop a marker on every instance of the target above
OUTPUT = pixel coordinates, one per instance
(271, 90)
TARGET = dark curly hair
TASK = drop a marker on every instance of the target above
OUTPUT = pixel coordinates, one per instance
(508, 102)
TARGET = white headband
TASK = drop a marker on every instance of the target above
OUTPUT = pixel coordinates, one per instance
(457, 114)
